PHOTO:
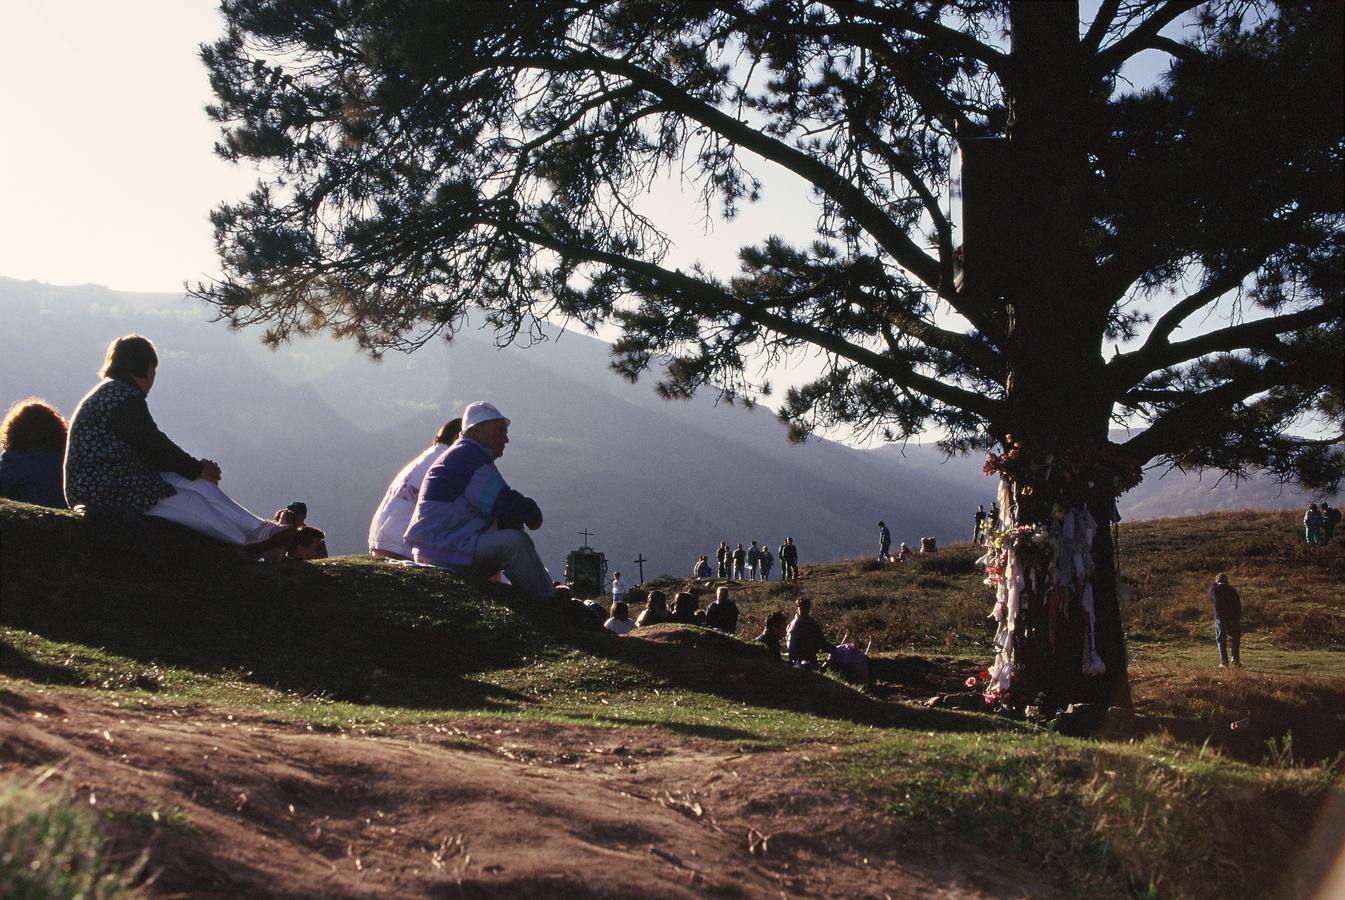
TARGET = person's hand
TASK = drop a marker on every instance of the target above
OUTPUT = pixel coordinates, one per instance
(210, 471)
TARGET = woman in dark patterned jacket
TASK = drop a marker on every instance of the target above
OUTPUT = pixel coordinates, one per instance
(117, 456)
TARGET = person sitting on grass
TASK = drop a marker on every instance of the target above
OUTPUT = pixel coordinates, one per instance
(117, 457)
(469, 520)
(309, 543)
(32, 438)
(685, 606)
(655, 610)
(387, 529)
(722, 613)
(620, 621)
(804, 639)
(903, 553)
(772, 634)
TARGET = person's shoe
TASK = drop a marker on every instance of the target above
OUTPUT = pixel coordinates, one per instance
(1223, 665)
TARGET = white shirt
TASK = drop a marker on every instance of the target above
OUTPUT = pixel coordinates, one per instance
(618, 589)
(620, 626)
(393, 515)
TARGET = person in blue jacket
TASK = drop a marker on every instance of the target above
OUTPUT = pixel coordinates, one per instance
(32, 438)
(468, 519)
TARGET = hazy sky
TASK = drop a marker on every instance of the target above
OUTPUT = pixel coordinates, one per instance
(107, 175)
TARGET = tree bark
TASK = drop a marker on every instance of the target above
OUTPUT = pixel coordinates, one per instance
(1063, 477)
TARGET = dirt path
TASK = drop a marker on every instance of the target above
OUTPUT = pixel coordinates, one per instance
(248, 807)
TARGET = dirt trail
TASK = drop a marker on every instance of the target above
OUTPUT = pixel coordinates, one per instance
(249, 807)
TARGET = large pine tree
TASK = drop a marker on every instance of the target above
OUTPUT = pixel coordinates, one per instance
(1168, 256)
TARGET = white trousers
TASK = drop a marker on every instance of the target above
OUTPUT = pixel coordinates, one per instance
(514, 552)
(202, 506)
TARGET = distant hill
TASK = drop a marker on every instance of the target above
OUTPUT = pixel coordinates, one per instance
(668, 480)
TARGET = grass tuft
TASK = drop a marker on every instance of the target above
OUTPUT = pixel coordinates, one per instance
(50, 847)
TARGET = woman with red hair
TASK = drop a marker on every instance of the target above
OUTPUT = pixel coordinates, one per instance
(32, 437)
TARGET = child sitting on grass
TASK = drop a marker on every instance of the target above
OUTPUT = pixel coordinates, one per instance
(620, 621)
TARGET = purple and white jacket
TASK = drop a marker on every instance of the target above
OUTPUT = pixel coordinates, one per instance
(462, 496)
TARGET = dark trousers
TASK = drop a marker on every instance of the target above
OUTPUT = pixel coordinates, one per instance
(1228, 635)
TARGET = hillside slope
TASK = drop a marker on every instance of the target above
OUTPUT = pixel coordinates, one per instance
(354, 727)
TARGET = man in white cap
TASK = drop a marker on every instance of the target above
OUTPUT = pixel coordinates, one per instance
(468, 519)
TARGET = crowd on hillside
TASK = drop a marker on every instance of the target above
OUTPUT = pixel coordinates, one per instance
(449, 507)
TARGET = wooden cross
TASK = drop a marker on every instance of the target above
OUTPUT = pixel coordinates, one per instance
(640, 561)
(587, 534)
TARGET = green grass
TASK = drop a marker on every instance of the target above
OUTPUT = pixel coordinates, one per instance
(1148, 818)
(51, 847)
(363, 645)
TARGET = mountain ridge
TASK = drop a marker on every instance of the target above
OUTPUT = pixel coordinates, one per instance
(666, 480)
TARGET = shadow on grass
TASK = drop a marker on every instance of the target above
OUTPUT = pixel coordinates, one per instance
(366, 631)
(690, 729)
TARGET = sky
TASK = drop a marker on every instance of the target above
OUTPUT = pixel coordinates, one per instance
(114, 177)
(108, 175)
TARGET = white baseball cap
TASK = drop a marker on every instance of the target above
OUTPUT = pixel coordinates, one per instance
(479, 412)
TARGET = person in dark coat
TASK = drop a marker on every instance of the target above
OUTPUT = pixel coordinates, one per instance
(722, 613)
(1227, 620)
(117, 457)
(884, 543)
(773, 634)
(32, 438)
(1330, 519)
(789, 560)
(804, 639)
(655, 610)
(685, 606)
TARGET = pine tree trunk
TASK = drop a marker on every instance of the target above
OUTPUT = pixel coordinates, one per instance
(1061, 633)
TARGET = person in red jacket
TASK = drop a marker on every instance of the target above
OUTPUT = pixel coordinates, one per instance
(1227, 620)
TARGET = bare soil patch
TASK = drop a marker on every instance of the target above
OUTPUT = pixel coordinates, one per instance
(231, 804)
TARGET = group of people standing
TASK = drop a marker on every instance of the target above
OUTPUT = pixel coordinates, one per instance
(753, 563)
(1319, 523)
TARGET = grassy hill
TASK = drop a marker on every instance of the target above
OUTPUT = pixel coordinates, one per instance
(873, 790)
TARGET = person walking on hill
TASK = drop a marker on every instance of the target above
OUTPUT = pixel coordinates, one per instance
(884, 543)
(1227, 620)
(117, 458)
(978, 532)
(739, 561)
(723, 557)
(618, 588)
(1312, 525)
(1330, 518)
(387, 529)
(468, 519)
(766, 562)
(753, 562)
(789, 560)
